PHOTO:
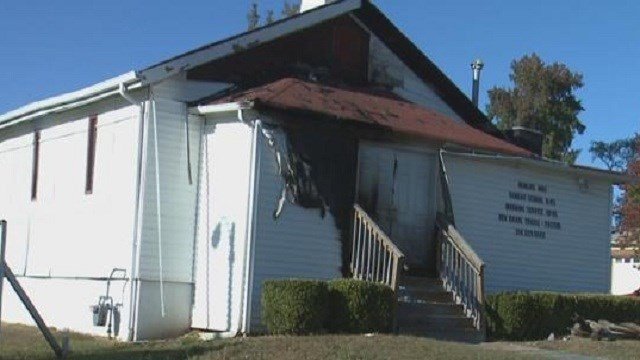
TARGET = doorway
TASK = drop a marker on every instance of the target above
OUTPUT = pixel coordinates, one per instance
(396, 185)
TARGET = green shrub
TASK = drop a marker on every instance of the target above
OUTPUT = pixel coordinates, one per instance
(533, 316)
(360, 307)
(311, 307)
(294, 306)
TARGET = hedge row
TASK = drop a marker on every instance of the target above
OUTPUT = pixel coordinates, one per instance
(533, 316)
(338, 306)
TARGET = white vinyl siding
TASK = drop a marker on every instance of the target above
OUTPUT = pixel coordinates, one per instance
(178, 214)
(65, 237)
(223, 207)
(63, 220)
(298, 244)
(575, 258)
(177, 196)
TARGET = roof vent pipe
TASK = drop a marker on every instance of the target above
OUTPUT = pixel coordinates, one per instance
(476, 66)
(306, 5)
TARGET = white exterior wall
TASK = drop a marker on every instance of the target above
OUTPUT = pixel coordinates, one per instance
(61, 243)
(575, 258)
(178, 213)
(223, 209)
(299, 244)
(387, 68)
(625, 276)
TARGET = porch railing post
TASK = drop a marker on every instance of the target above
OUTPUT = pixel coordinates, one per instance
(354, 239)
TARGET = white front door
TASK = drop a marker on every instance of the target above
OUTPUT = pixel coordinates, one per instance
(397, 187)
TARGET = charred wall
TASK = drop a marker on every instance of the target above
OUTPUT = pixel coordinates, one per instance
(331, 152)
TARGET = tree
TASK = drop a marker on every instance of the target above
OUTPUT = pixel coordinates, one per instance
(615, 155)
(290, 9)
(623, 155)
(542, 98)
(269, 19)
(630, 205)
(253, 17)
(618, 155)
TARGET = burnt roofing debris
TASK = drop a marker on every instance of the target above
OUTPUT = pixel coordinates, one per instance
(374, 108)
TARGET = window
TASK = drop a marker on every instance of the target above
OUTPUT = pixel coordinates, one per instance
(92, 133)
(34, 165)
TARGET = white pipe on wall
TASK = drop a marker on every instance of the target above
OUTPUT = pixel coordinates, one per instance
(158, 206)
(137, 223)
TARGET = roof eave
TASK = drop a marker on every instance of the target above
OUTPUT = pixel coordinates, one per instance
(246, 40)
(55, 103)
(614, 177)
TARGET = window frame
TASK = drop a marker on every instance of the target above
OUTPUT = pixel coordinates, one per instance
(92, 135)
(35, 165)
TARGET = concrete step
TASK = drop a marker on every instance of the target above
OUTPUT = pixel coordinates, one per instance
(429, 308)
(413, 295)
(442, 322)
(426, 309)
(418, 280)
(471, 336)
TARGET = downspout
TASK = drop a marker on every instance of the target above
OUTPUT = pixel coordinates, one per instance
(245, 327)
(158, 206)
(140, 177)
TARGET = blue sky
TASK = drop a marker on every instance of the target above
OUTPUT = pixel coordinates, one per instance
(49, 47)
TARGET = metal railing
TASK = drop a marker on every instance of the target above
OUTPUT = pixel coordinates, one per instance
(374, 256)
(461, 271)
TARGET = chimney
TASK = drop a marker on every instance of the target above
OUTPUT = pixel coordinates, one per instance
(526, 138)
(306, 5)
(476, 66)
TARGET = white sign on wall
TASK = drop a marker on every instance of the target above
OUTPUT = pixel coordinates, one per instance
(531, 210)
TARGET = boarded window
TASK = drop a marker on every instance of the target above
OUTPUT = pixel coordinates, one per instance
(34, 165)
(91, 152)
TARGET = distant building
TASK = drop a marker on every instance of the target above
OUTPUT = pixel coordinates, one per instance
(625, 267)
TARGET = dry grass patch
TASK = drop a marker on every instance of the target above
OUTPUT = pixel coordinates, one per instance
(620, 349)
(24, 342)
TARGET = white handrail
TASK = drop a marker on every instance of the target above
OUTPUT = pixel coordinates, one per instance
(374, 256)
(461, 271)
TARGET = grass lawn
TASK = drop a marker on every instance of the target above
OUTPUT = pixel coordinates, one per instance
(25, 342)
(620, 349)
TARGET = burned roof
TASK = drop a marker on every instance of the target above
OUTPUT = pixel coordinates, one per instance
(377, 108)
(369, 16)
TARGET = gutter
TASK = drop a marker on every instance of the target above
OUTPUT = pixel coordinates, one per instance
(137, 223)
(612, 176)
(71, 100)
(222, 108)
